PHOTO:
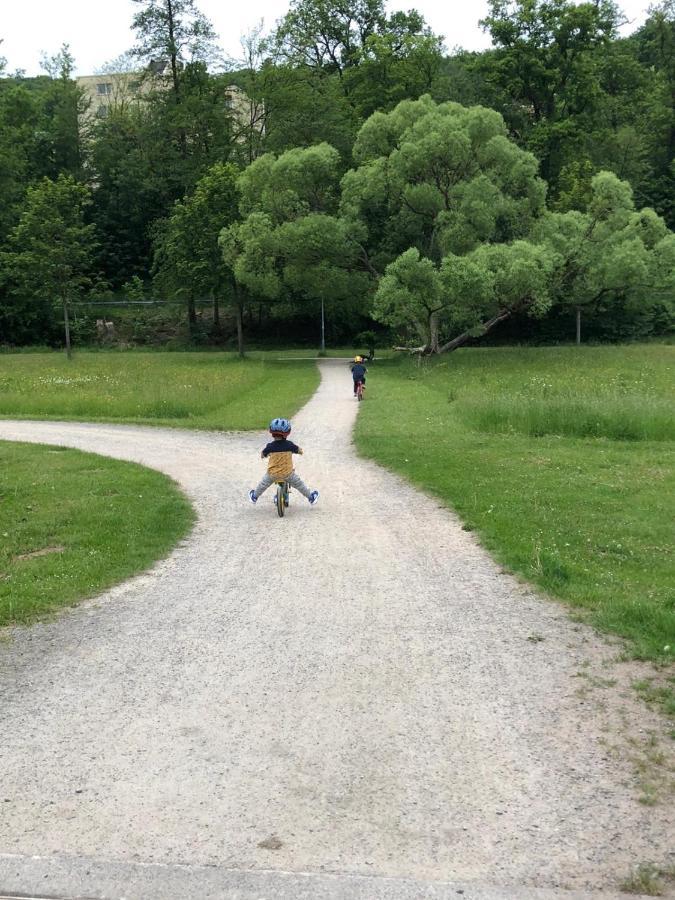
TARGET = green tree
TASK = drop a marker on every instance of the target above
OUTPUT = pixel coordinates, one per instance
(377, 60)
(574, 186)
(249, 250)
(326, 35)
(188, 261)
(51, 255)
(140, 170)
(19, 122)
(291, 246)
(133, 167)
(611, 256)
(403, 60)
(188, 106)
(441, 178)
(467, 296)
(654, 45)
(61, 146)
(285, 106)
(173, 32)
(298, 182)
(546, 71)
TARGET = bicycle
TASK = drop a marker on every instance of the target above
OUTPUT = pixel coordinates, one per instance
(282, 498)
(359, 390)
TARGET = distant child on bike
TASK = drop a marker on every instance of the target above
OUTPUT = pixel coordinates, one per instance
(279, 456)
(358, 372)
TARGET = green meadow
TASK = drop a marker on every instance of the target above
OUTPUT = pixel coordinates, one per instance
(560, 459)
(73, 524)
(183, 390)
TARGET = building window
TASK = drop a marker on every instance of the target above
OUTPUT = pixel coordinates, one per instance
(104, 88)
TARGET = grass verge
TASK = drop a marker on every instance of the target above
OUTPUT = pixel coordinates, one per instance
(586, 518)
(182, 390)
(73, 524)
(648, 880)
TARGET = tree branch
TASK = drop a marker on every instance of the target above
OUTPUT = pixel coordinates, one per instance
(485, 327)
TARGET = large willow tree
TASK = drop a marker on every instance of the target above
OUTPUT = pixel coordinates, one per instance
(440, 230)
(447, 200)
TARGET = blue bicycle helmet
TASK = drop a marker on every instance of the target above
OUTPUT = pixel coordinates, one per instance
(280, 426)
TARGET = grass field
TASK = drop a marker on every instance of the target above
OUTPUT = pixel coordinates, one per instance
(72, 524)
(183, 390)
(561, 459)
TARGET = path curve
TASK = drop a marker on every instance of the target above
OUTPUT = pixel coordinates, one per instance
(348, 690)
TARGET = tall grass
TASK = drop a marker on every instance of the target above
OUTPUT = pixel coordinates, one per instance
(615, 418)
(621, 394)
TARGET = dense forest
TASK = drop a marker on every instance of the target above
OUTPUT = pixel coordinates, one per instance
(347, 163)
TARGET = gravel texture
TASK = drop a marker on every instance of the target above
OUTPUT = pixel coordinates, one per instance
(356, 688)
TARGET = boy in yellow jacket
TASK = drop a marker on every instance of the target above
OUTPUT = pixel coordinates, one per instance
(279, 454)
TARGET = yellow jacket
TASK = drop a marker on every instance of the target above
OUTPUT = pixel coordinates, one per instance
(279, 455)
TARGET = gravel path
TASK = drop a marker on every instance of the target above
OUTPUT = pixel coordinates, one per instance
(356, 688)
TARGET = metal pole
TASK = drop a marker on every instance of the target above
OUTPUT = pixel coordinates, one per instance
(66, 323)
(323, 328)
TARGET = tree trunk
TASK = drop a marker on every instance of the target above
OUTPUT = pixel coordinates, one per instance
(216, 311)
(578, 326)
(66, 323)
(173, 56)
(192, 312)
(433, 333)
(175, 79)
(465, 336)
(240, 330)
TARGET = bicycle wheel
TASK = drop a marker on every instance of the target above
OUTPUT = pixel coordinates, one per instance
(359, 391)
(280, 498)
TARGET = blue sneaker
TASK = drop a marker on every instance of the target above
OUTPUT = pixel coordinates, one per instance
(252, 497)
(313, 497)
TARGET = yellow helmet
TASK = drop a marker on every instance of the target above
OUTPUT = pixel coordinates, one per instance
(358, 359)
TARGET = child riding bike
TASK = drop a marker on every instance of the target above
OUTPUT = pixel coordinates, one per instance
(279, 454)
(358, 373)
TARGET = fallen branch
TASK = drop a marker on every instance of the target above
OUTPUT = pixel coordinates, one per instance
(412, 350)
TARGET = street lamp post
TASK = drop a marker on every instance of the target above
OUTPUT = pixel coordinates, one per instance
(323, 328)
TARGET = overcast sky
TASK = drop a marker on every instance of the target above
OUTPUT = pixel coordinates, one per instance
(100, 31)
